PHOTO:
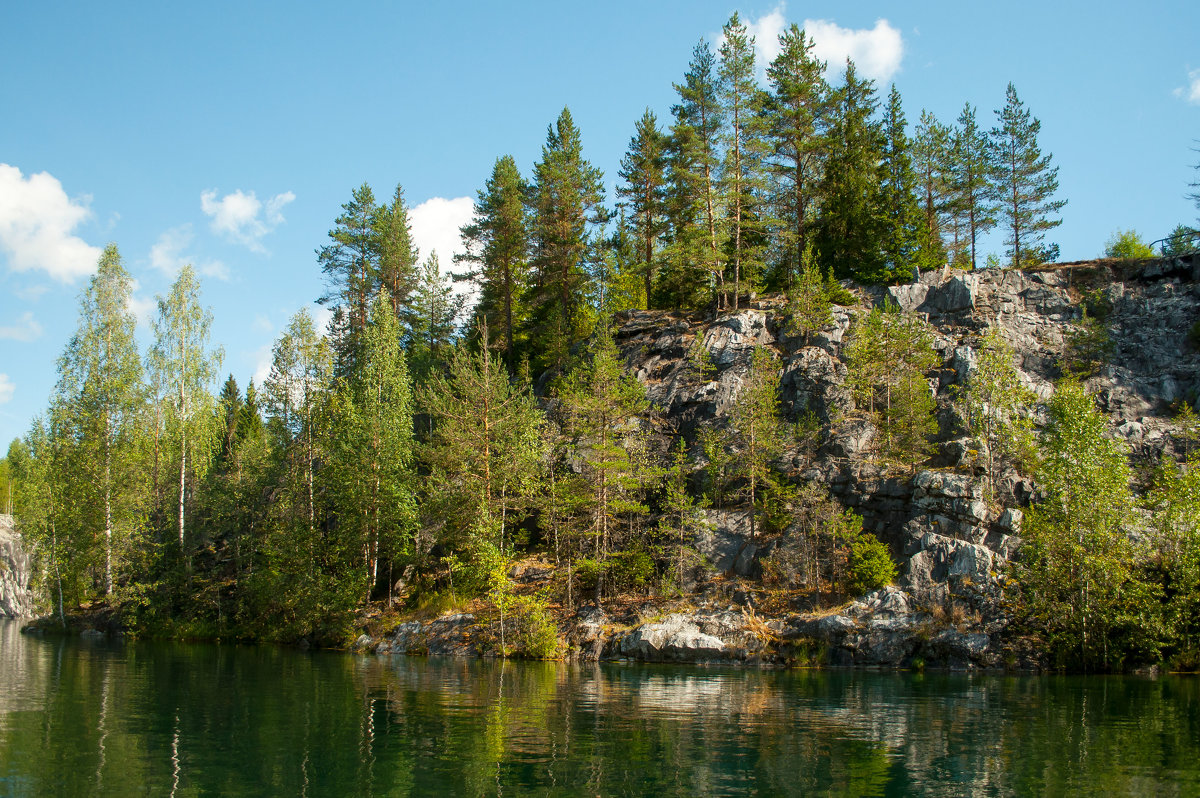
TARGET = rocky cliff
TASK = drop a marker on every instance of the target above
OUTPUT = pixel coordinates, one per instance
(952, 546)
(16, 567)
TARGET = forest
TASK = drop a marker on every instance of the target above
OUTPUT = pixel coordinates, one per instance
(406, 456)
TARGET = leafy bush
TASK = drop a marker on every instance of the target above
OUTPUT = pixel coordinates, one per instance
(1127, 244)
(870, 565)
(534, 633)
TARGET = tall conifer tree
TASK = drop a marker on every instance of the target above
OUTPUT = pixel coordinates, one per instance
(741, 168)
(850, 229)
(973, 200)
(497, 251)
(643, 185)
(1023, 182)
(566, 202)
(695, 161)
(795, 115)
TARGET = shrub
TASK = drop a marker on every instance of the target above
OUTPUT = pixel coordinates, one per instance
(870, 565)
(1127, 244)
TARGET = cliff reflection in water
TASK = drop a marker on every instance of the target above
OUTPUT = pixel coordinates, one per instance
(105, 719)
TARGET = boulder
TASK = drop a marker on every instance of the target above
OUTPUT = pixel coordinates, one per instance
(676, 638)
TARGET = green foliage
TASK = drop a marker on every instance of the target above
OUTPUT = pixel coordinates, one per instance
(973, 206)
(601, 407)
(758, 436)
(870, 565)
(997, 409)
(483, 452)
(643, 175)
(1023, 182)
(850, 228)
(565, 202)
(1076, 575)
(1127, 244)
(888, 355)
(1088, 346)
(534, 633)
(794, 114)
(497, 250)
(809, 307)
(1182, 240)
(741, 173)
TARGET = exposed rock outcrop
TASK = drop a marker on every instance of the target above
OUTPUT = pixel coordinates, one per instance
(16, 568)
(952, 545)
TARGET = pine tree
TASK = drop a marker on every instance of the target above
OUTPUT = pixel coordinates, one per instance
(436, 309)
(1023, 182)
(99, 395)
(695, 159)
(566, 202)
(888, 354)
(350, 263)
(795, 116)
(186, 366)
(849, 232)
(906, 242)
(485, 449)
(809, 308)
(973, 200)
(932, 162)
(757, 432)
(397, 257)
(601, 405)
(497, 250)
(741, 168)
(373, 452)
(643, 172)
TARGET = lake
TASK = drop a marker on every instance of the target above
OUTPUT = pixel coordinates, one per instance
(140, 718)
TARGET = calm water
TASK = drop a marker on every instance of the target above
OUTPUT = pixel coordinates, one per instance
(176, 719)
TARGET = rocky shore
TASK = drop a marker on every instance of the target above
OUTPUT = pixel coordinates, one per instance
(953, 548)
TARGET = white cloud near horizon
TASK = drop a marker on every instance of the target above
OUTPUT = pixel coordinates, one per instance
(25, 330)
(168, 256)
(435, 227)
(1191, 92)
(7, 389)
(241, 217)
(37, 224)
(877, 51)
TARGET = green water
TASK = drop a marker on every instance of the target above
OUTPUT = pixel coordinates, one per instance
(163, 719)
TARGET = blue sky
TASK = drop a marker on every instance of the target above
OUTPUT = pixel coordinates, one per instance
(228, 134)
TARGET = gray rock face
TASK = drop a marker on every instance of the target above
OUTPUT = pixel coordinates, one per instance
(676, 638)
(16, 568)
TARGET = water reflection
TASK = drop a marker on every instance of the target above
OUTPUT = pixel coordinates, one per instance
(107, 719)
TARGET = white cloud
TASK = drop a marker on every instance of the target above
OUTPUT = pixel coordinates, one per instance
(262, 324)
(7, 389)
(435, 225)
(167, 254)
(877, 51)
(766, 31)
(263, 357)
(1191, 92)
(37, 220)
(322, 318)
(26, 329)
(142, 308)
(240, 216)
